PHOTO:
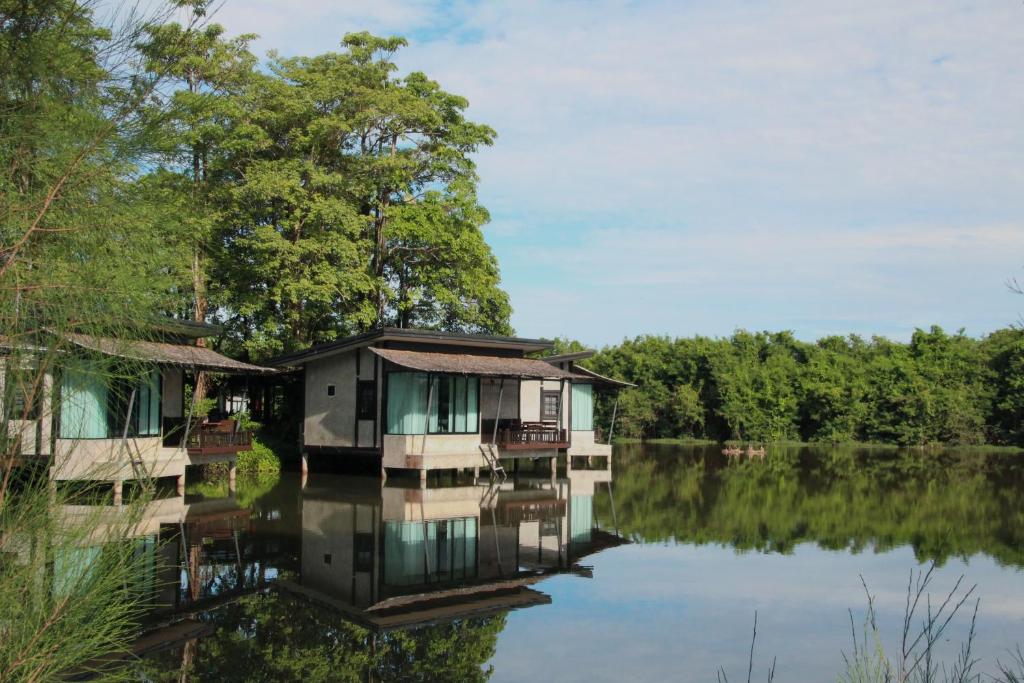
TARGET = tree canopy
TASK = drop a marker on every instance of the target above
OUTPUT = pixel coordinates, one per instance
(937, 388)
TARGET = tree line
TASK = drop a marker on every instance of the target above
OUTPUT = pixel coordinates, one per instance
(764, 386)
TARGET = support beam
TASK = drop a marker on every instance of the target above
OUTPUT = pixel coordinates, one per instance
(615, 410)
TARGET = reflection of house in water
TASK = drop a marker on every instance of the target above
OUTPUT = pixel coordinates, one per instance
(392, 557)
(197, 554)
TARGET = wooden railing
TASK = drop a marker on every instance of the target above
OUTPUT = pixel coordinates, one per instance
(533, 436)
(207, 438)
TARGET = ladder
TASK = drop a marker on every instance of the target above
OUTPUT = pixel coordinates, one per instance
(138, 465)
(490, 452)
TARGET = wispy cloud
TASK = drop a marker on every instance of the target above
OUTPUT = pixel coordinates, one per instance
(691, 167)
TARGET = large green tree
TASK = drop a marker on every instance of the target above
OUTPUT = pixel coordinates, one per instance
(353, 204)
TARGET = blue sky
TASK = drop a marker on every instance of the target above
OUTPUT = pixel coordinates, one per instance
(697, 167)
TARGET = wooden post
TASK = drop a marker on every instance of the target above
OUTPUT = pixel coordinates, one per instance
(561, 401)
(615, 409)
(497, 414)
(426, 420)
(188, 420)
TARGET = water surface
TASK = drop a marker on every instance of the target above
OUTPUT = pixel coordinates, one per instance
(650, 570)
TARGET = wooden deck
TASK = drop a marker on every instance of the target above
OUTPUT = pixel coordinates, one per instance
(532, 437)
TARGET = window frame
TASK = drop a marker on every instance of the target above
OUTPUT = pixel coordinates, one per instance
(544, 393)
(14, 395)
(366, 412)
(431, 376)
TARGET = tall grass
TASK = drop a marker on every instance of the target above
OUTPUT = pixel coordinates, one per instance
(926, 621)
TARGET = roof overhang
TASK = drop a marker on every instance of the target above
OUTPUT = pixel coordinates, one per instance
(472, 364)
(426, 337)
(565, 357)
(595, 378)
(161, 353)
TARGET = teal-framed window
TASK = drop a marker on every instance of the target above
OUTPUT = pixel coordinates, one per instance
(452, 400)
(94, 407)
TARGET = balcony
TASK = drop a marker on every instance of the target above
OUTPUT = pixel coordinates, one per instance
(208, 438)
(532, 436)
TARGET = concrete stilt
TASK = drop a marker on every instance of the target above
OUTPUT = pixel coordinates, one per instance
(181, 484)
(118, 491)
(423, 479)
(554, 467)
(232, 473)
(305, 464)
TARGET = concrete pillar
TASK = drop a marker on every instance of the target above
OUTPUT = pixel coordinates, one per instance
(118, 491)
(423, 479)
(181, 484)
(383, 474)
(476, 474)
(232, 472)
(554, 467)
(305, 464)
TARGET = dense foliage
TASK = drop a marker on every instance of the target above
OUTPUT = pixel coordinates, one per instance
(938, 388)
(319, 196)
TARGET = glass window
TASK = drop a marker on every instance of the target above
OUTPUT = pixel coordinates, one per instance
(83, 405)
(366, 399)
(549, 404)
(93, 408)
(454, 410)
(21, 398)
(407, 402)
(582, 407)
(454, 403)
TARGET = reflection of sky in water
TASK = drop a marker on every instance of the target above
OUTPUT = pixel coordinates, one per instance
(658, 612)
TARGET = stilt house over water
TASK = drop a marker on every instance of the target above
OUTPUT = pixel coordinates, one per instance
(115, 409)
(425, 400)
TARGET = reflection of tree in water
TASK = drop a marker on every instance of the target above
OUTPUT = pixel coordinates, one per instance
(951, 504)
(272, 637)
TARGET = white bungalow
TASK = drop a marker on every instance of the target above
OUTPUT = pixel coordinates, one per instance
(83, 426)
(425, 400)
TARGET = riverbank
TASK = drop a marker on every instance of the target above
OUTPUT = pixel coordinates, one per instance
(978, 448)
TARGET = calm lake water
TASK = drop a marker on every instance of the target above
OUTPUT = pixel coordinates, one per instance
(651, 570)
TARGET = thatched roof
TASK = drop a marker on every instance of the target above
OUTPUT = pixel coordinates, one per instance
(469, 364)
(178, 355)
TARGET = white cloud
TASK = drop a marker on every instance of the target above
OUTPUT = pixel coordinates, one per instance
(795, 153)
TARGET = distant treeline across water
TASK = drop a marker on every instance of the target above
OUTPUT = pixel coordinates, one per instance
(938, 388)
